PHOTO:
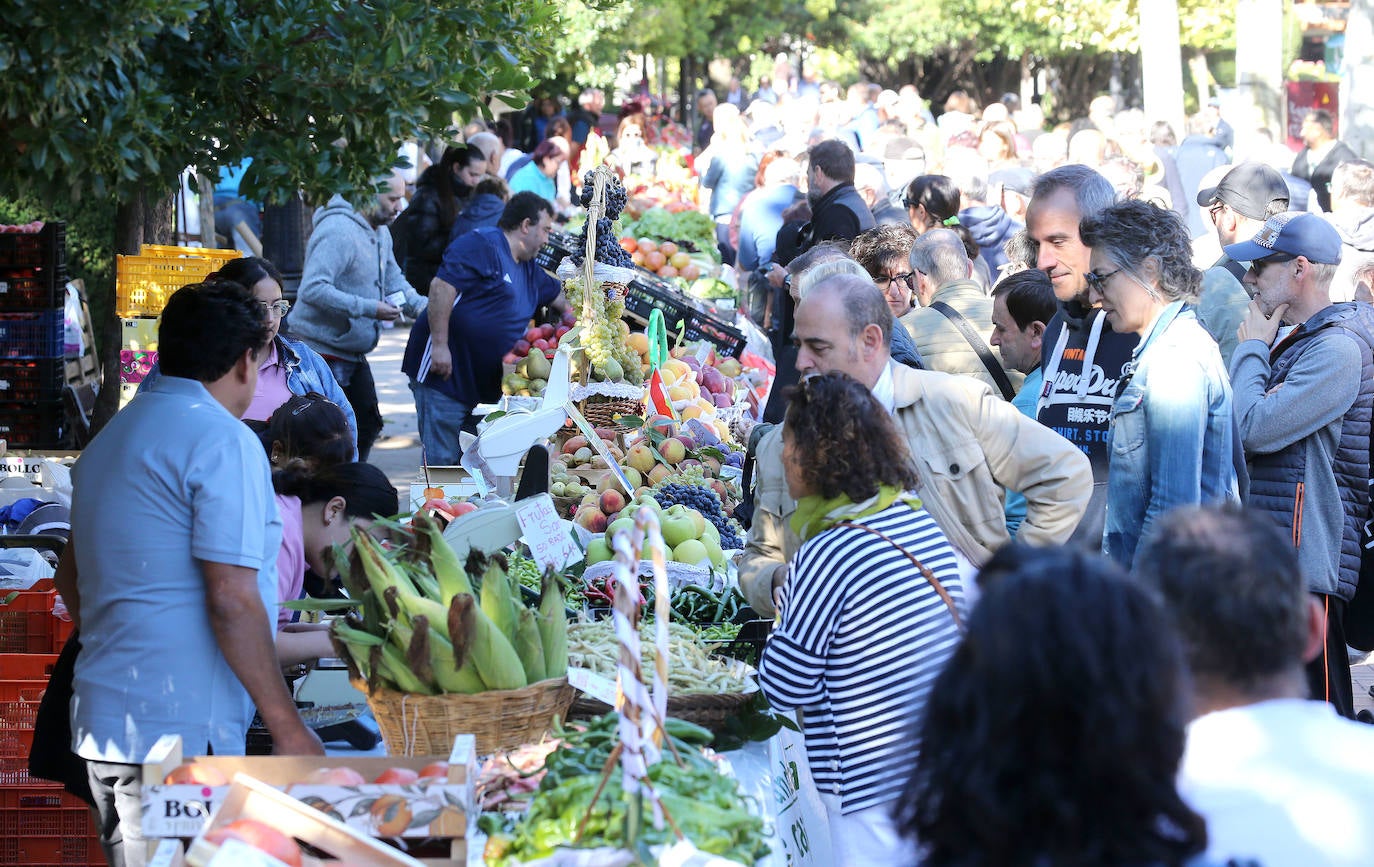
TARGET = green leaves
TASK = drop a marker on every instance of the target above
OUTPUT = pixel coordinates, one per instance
(318, 92)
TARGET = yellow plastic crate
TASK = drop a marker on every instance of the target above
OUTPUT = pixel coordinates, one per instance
(203, 252)
(144, 283)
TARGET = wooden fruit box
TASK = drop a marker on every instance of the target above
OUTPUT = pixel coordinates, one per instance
(248, 798)
(415, 810)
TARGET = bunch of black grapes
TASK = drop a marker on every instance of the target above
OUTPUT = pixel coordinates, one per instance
(705, 501)
(608, 249)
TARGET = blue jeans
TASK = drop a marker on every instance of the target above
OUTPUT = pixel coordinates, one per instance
(440, 417)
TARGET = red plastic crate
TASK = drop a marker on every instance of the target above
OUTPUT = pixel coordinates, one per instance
(46, 248)
(43, 825)
(27, 625)
(32, 380)
(40, 424)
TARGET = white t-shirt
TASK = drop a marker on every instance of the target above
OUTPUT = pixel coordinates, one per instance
(1286, 782)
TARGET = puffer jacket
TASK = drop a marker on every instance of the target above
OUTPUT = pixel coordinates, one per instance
(1307, 443)
(991, 228)
(349, 267)
(969, 445)
(426, 233)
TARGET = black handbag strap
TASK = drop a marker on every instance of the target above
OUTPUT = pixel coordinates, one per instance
(920, 567)
(999, 375)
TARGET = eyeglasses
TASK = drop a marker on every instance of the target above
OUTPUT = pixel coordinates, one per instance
(883, 280)
(1096, 281)
(910, 203)
(1214, 210)
(281, 308)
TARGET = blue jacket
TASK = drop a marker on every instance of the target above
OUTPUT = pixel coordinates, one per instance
(1171, 438)
(485, 209)
(1308, 442)
(306, 371)
(991, 228)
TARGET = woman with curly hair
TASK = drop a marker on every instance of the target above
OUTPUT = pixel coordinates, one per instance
(885, 253)
(1057, 726)
(1171, 436)
(869, 611)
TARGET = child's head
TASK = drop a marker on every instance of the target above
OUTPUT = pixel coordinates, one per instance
(309, 429)
(333, 499)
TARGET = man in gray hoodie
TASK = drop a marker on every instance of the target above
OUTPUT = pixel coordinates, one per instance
(350, 286)
(1352, 213)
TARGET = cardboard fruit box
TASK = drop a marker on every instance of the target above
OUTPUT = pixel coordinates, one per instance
(437, 809)
(247, 798)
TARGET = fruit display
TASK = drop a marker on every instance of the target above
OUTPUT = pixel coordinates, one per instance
(544, 337)
(704, 502)
(427, 624)
(690, 538)
(530, 376)
(607, 251)
(690, 231)
(705, 803)
(603, 334)
(666, 259)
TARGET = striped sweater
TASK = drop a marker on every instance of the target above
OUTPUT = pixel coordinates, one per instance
(861, 641)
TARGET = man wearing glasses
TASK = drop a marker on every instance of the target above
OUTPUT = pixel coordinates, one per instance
(1303, 410)
(1247, 195)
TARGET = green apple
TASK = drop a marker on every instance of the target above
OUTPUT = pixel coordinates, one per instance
(678, 527)
(691, 551)
(710, 533)
(599, 551)
(713, 548)
(621, 525)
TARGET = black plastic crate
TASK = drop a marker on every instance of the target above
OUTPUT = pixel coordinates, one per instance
(647, 292)
(46, 249)
(32, 335)
(24, 288)
(32, 379)
(33, 424)
(558, 248)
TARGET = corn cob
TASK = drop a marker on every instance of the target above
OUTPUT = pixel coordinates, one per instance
(490, 652)
(529, 645)
(553, 626)
(497, 602)
(393, 665)
(432, 547)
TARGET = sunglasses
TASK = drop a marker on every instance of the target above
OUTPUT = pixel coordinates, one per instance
(1096, 281)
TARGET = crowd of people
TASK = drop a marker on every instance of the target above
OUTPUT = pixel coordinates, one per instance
(1061, 488)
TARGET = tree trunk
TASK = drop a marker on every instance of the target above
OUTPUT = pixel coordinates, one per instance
(685, 88)
(1259, 64)
(1161, 62)
(1357, 114)
(144, 218)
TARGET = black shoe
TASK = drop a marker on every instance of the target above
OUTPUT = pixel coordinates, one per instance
(1365, 716)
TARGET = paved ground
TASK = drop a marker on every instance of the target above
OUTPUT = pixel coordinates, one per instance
(1362, 676)
(397, 452)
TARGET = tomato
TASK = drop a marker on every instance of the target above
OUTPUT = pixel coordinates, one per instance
(629, 245)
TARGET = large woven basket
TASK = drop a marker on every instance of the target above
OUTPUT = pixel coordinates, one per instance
(707, 710)
(425, 725)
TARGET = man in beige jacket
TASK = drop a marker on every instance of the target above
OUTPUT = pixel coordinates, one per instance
(969, 445)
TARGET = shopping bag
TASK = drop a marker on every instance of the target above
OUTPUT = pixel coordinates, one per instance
(802, 830)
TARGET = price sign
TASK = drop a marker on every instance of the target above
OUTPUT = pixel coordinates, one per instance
(551, 545)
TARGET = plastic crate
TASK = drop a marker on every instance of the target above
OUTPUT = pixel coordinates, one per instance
(559, 246)
(45, 249)
(33, 424)
(32, 288)
(32, 335)
(144, 283)
(28, 626)
(32, 379)
(203, 252)
(647, 292)
(43, 825)
(23, 680)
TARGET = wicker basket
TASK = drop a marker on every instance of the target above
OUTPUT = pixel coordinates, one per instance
(601, 411)
(425, 725)
(707, 711)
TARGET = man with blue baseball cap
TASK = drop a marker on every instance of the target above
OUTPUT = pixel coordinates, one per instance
(1303, 408)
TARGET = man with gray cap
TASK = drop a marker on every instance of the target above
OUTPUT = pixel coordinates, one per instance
(1303, 409)
(1247, 195)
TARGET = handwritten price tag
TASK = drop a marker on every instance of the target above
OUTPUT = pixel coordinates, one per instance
(551, 545)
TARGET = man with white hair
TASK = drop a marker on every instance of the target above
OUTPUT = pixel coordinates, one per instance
(873, 188)
(1352, 213)
(760, 218)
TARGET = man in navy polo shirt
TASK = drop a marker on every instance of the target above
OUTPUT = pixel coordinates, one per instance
(480, 302)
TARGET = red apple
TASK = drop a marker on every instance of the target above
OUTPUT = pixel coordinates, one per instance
(532, 334)
(546, 331)
(540, 344)
(509, 358)
(461, 509)
(522, 347)
(561, 330)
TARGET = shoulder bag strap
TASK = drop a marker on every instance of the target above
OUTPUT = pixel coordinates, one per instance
(923, 568)
(999, 375)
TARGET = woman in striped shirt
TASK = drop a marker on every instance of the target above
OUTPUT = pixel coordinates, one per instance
(870, 610)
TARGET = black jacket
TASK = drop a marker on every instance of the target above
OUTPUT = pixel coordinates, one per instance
(840, 215)
(424, 232)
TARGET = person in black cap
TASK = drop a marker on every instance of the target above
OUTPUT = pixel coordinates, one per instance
(1303, 409)
(1247, 195)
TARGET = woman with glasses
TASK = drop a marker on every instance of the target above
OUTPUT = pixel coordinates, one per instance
(869, 611)
(289, 367)
(885, 253)
(1171, 435)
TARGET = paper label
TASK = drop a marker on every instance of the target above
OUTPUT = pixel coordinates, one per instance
(551, 543)
(597, 686)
